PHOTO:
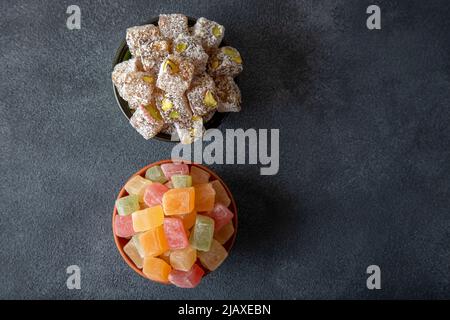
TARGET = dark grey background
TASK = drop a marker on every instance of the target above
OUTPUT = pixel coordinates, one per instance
(364, 127)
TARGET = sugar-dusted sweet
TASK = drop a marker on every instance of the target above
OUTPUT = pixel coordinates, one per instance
(137, 245)
(229, 95)
(188, 47)
(210, 33)
(175, 75)
(173, 108)
(172, 25)
(202, 95)
(175, 233)
(153, 194)
(136, 185)
(140, 35)
(226, 61)
(187, 279)
(183, 259)
(199, 176)
(153, 54)
(202, 234)
(148, 218)
(155, 174)
(221, 194)
(170, 169)
(188, 219)
(132, 253)
(136, 88)
(190, 131)
(156, 269)
(225, 233)
(213, 258)
(127, 205)
(147, 121)
(123, 226)
(221, 215)
(153, 242)
(181, 181)
(121, 71)
(204, 197)
(179, 201)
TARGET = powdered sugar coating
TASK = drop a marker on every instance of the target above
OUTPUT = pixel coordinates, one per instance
(200, 86)
(226, 61)
(153, 54)
(146, 121)
(188, 47)
(229, 95)
(140, 35)
(210, 33)
(191, 130)
(175, 82)
(172, 25)
(173, 108)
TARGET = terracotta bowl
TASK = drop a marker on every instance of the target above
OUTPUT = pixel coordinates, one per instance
(121, 242)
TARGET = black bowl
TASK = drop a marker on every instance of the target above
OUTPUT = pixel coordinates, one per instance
(123, 54)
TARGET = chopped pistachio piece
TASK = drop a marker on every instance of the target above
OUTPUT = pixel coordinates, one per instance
(166, 104)
(153, 112)
(216, 31)
(209, 100)
(180, 47)
(215, 64)
(174, 115)
(148, 79)
(169, 65)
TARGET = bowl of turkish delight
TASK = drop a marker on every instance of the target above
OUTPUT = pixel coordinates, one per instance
(175, 76)
(174, 222)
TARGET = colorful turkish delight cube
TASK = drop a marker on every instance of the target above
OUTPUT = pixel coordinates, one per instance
(175, 233)
(199, 176)
(175, 75)
(153, 194)
(221, 194)
(229, 95)
(156, 269)
(170, 169)
(210, 33)
(123, 226)
(147, 121)
(225, 233)
(190, 48)
(153, 242)
(204, 197)
(179, 201)
(173, 108)
(226, 61)
(132, 253)
(148, 218)
(136, 185)
(186, 279)
(181, 181)
(183, 259)
(189, 219)
(127, 205)
(172, 25)
(202, 234)
(214, 257)
(221, 215)
(155, 174)
(202, 95)
(140, 35)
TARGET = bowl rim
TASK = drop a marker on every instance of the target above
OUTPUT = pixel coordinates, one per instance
(122, 50)
(233, 207)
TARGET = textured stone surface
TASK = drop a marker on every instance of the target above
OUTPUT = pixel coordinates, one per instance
(365, 138)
